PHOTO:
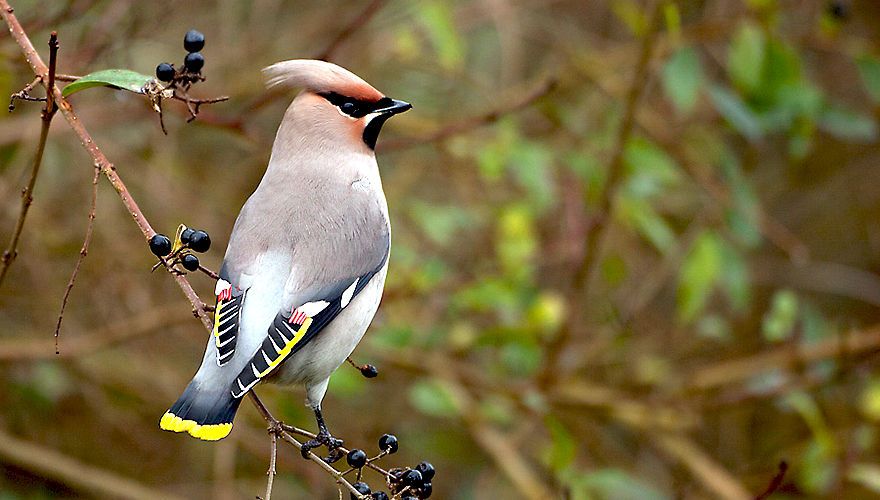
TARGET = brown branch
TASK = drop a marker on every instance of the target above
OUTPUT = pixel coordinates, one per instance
(84, 477)
(775, 483)
(356, 24)
(82, 255)
(27, 194)
(596, 233)
(468, 124)
(130, 327)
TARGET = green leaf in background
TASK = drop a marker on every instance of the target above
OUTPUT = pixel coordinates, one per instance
(439, 21)
(516, 240)
(745, 57)
(699, 273)
(869, 70)
(848, 125)
(641, 216)
(737, 113)
(632, 15)
(117, 78)
(615, 484)
(869, 403)
(520, 358)
(434, 398)
(734, 276)
(561, 452)
(683, 78)
(440, 223)
(779, 321)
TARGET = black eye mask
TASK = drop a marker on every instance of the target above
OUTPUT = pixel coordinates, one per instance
(355, 108)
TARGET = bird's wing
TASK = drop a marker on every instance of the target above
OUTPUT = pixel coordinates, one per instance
(294, 327)
(227, 316)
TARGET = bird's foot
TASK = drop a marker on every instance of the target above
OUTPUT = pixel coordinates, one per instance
(324, 438)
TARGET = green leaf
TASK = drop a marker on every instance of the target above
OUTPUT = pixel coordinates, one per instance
(848, 125)
(122, 79)
(434, 398)
(563, 446)
(737, 113)
(780, 320)
(745, 57)
(869, 70)
(619, 485)
(438, 19)
(699, 273)
(682, 78)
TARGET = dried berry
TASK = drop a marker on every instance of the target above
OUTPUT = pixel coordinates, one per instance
(369, 371)
(190, 262)
(160, 245)
(356, 458)
(388, 442)
(200, 241)
(165, 72)
(193, 41)
(426, 469)
(362, 488)
(194, 62)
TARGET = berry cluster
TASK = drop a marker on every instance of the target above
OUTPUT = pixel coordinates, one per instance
(405, 483)
(186, 242)
(191, 71)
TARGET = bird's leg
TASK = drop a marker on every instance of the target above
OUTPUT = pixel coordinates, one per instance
(323, 438)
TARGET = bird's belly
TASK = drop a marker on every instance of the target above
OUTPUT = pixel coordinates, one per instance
(318, 359)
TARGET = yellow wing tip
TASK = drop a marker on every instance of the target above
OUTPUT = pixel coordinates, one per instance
(208, 432)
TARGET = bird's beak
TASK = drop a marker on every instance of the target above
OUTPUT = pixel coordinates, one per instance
(394, 108)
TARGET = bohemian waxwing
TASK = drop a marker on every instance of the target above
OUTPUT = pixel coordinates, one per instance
(307, 258)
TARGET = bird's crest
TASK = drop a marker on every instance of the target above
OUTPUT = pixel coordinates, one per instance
(319, 76)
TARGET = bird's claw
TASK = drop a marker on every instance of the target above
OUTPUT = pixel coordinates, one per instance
(324, 439)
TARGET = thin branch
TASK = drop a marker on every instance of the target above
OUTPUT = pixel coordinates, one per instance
(273, 453)
(356, 24)
(84, 477)
(596, 233)
(82, 255)
(775, 483)
(468, 124)
(27, 194)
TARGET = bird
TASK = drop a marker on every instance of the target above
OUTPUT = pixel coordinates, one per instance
(307, 258)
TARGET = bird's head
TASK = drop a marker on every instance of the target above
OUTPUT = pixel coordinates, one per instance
(334, 100)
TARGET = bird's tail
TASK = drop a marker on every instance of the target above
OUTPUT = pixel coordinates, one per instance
(204, 414)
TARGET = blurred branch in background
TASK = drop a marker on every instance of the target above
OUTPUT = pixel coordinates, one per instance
(705, 169)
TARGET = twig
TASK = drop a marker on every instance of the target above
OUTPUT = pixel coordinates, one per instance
(273, 422)
(714, 476)
(595, 234)
(24, 94)
(87, 478)
(775, 483)
(82, 255)
(273, 438)
(209, 272)
(357, 23)
(471, 123)
(27, 194)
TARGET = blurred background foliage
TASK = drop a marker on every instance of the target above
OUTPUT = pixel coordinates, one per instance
(656, 279)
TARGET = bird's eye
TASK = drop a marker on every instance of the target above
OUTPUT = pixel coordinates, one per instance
(348, 107)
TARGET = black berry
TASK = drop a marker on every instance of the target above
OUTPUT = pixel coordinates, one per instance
(186, 235)
(413, 479)
(426, 490)
(388, 442)
(200, 241)
(362, 488)
(380, 495)
(427, 470)
(369, 371)
(194, 62)
(409, 498)
(356, 458)
(193, 41)
(190, 262)
(165, 72)
(160, 245)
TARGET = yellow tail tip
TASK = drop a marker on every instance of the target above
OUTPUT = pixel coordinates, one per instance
(206, 432)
